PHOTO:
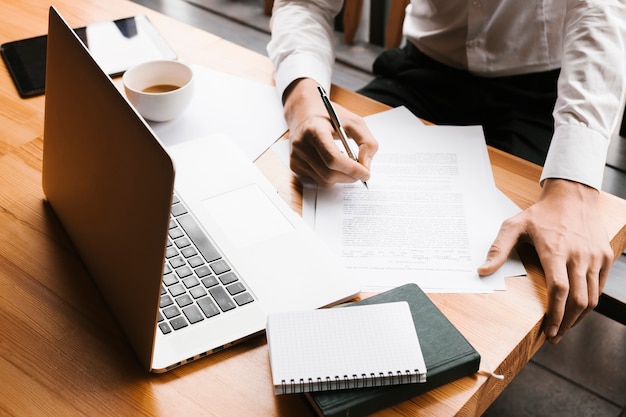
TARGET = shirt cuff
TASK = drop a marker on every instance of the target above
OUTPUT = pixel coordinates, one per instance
(576, 153)
(299, 66)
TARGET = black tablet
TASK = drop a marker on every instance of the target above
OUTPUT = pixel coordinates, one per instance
(115, 45)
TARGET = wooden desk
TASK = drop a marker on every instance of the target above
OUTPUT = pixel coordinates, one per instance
(61, 353)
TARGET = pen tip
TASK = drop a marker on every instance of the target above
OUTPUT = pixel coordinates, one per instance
(365, 184)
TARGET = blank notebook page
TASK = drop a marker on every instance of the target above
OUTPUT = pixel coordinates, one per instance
(347, 347)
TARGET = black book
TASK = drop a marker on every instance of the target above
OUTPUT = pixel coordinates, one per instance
(447, 354)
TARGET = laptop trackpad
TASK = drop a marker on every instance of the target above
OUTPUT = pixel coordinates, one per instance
(247, 216)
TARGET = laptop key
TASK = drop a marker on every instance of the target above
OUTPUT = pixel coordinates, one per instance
(197, 292)
(195, 262)
(176, 233)
(184, 300)
(222, 298)
(166, 300)
(203, 271)
(236, 288)
(220, 267)
(177, 262)
(165, 328)
(170, 252)
(228, 278)
(170, 279)
(178, 210)
(178, 323)
(177, 290)
(189, 251)
(208, 307)
(244, 298)
(204, 245)
(184, 271)
(209, 281)
(191, 282)
(193, 314)
(171, 311)
(182, 242)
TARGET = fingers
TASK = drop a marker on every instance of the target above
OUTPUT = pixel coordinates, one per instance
(574, 285)
(360, 133)
(314, 152)
(508, 236)
(573, 248)
(558, 286)
(572, 293)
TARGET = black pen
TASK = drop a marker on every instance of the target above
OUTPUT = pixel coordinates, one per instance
(337, 125)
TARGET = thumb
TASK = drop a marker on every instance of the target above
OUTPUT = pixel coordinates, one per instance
(498, 251)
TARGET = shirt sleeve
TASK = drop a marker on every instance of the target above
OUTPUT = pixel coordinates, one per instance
(302, 41)
(590, 90)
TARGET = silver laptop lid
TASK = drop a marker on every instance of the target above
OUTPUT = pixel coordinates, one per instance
(112, 195)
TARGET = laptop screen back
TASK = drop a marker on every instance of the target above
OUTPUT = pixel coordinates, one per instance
(109, 181)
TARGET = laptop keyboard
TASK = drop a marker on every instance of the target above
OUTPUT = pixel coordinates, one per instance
(198, 282)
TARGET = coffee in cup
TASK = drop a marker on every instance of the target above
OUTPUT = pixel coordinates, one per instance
(159, 90)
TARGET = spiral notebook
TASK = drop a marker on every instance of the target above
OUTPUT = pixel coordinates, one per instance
(344, 348)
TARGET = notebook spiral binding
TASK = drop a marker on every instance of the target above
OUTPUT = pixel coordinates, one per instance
(355, 381)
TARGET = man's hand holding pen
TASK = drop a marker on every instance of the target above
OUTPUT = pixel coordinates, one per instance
(314, 153)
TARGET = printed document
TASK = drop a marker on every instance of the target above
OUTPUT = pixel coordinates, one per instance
(429, 216)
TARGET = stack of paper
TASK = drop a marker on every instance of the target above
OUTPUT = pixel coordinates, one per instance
(429, 216)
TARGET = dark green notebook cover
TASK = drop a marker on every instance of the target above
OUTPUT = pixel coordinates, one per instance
(447, 354)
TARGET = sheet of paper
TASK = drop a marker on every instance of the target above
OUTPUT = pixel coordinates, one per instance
(431, 212)
(442, 258)
(249, 112)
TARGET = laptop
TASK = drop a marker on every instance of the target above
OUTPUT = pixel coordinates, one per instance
(112, 185)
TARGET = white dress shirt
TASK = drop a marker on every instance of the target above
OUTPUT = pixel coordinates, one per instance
(585, 38)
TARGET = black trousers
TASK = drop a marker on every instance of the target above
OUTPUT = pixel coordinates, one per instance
(514, 111)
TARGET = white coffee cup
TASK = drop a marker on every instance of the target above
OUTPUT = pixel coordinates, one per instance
(159, 90)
